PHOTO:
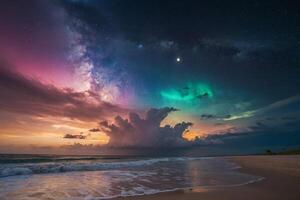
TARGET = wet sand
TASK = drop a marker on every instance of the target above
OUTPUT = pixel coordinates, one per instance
(282, 181)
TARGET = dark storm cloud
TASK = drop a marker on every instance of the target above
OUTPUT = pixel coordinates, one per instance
(27, 96)
(147, 132)
(74, 136)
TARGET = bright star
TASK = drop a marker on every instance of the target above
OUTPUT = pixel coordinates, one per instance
(178, 59)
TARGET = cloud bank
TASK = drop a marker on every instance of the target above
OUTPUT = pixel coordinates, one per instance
(145, 132)
(23, 95)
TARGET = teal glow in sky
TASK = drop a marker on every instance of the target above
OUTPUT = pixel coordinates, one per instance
(190, 93)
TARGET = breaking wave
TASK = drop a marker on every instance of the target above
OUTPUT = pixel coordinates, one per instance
(58, 167)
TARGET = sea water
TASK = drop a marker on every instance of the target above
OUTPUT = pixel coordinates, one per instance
(88, 177)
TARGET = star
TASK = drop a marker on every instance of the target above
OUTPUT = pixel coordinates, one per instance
(178, 59)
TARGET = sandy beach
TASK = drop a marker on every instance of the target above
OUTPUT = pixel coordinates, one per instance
(282, 181)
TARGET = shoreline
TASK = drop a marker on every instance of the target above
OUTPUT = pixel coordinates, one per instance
(280, 179)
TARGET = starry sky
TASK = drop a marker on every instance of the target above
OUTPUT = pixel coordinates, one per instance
(83, 75)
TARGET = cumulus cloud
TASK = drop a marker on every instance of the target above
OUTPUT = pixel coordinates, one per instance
(145, 132)
(23, 95)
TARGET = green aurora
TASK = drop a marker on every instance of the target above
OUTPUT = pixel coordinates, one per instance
(189, 94)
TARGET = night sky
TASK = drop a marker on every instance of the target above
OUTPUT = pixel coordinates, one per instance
(84, 75)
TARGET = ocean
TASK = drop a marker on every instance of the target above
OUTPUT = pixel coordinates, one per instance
(32, 177)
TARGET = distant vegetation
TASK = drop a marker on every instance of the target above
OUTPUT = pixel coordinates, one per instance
(284, 152)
